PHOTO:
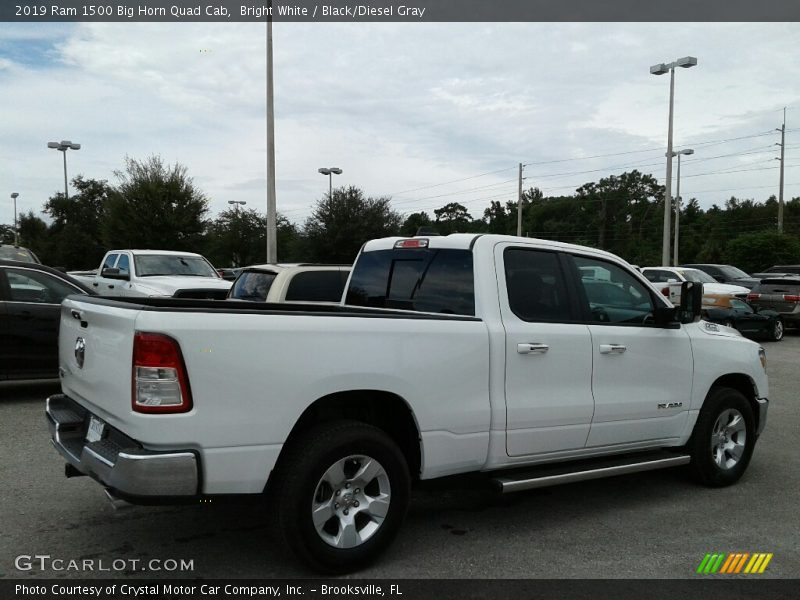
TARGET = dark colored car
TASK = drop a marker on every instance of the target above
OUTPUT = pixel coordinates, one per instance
(30, 313)
(727, 274)
(18, 253)
(778, 271)
(750, 321)
(781, 294)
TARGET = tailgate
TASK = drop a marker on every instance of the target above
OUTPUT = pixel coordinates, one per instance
(95, 347)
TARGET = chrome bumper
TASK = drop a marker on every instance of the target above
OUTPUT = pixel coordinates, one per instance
(117, 461)
(763, 405)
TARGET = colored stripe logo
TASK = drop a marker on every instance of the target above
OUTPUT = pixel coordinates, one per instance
(734, 563)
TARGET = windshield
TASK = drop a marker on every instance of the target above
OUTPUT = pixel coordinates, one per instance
(151, 265)
(698, 276)
(733, 272)
(16, 253)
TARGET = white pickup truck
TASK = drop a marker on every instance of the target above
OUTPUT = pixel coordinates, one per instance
(143, 273)
(448, 355)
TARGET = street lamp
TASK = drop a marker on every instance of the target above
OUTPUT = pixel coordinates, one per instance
(662, 69)
(330, 173)
(63, 146)
(14, 197)
(687, 151)
(238, 203)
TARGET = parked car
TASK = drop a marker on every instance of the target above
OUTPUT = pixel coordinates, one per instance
(749, 321)
(18, 253)
(30, 312)
(726, 274)
(290, 283)
(713, 291)
(778, 271)
(142, 273)
(452, 354)
(229, 273)
(781, 294)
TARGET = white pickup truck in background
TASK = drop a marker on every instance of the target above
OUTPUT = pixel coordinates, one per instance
(302, 282)
(143, 273)
(447, 355)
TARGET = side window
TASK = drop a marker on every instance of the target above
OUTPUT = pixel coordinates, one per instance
(536, 286)
(123, 264)
(316, 286)
(658, 276)
(33, 286)
(621, 299)
(110, 260)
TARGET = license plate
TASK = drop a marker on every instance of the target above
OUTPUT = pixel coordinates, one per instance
(95, 431)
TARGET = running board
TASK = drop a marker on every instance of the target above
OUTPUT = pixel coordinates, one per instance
(565, 473)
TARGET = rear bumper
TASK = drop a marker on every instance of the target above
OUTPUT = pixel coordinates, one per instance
(117, 461)
(763, 406)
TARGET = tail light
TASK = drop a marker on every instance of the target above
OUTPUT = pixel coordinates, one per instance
(160, 383)
(751, 297)
(791, 298)
(665, 291)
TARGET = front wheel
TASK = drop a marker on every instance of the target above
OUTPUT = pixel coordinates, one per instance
(340, 494)
(723, 438)
(777, 331)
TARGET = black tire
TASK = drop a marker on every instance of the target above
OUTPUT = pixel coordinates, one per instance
(701, 446)
(294, 489)
(777, 331)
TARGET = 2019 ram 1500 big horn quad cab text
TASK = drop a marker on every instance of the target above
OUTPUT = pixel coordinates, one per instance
(447, 355)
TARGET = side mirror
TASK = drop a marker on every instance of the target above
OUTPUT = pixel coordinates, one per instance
(691, 304)
(114, 274)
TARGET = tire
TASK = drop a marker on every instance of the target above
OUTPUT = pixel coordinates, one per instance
(323, 465)
(777, 331)
(723, 438)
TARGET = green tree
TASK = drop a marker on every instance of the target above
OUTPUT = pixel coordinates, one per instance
(33, 235)
(154, 206)
(413, 222)
(239, 238)
(754, 252)
(341, 224)
(452, 218)
(6, 234)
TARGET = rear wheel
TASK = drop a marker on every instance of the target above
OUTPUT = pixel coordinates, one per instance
(723, 439)
(340, 495)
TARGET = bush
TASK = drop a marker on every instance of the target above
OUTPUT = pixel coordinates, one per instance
(755, 252)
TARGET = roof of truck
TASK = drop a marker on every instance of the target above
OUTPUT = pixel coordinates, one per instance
(159, 252)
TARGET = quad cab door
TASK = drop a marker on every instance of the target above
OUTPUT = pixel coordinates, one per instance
(642, 372)
(548, 376)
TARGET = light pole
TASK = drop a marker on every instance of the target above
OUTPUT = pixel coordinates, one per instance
(330, 173)
(63, 146)
(662, 69)
(272, 211)
(687, 151)
(14, 197)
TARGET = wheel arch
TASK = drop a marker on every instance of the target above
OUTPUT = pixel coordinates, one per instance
(745, 385)
(385, 410)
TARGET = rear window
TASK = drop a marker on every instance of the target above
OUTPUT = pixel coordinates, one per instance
(317, 286)
(420, 279)
(252, 285)
(778, 286)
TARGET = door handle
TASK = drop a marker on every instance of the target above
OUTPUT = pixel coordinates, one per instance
(532, 348)
(95, 284)
(111, 287)
(612, 349)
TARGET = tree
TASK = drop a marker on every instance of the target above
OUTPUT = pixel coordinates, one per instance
(452, 218)
(154, 206)
(342, 222)
(754, 252)
(6, 234)
(413, 222)
(33, 235)
(239, 238)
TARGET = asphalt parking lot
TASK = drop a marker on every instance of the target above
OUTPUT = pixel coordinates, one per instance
(653, 525)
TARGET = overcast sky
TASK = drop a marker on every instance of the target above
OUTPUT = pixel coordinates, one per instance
(416, 111)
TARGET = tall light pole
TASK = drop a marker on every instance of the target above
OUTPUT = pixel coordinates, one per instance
(662, 69)
(14, 197)
(330, 173)
(780, 191)
(272, 215)
(687, 151)
(63, 146)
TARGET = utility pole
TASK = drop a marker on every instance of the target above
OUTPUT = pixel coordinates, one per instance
(272, 218)
(519, 203)
(780, 191)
